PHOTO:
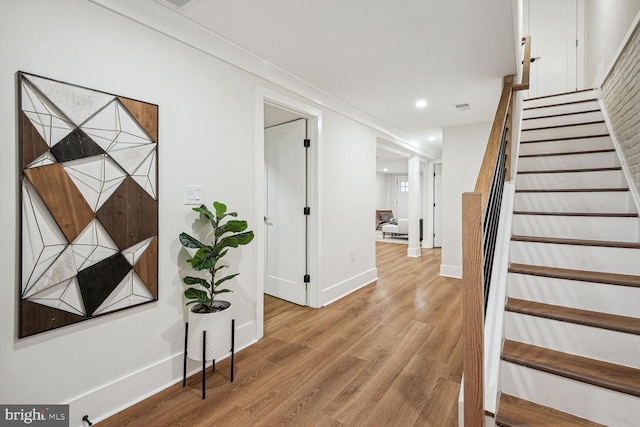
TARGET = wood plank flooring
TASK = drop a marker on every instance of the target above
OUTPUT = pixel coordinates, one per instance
(389, 354)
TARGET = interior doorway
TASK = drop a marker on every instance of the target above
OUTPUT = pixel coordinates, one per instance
(272, 109)
(557, 44)
(437, 205)
(285, 157)
(402, 197)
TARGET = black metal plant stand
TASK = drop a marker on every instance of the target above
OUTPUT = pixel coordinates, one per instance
(204, 352)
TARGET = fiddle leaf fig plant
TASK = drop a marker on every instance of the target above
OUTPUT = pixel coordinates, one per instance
(227, 233)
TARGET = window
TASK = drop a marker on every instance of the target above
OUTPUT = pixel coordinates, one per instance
(404, 186)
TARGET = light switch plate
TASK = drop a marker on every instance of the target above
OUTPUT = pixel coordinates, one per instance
(193, 194)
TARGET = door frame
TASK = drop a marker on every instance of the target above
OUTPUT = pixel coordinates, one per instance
(314, 244)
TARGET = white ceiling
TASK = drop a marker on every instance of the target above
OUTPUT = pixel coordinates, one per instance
(379, 56)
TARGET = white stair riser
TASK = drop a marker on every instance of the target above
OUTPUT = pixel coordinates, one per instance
(598, 404)
(595, 202)
(560, 109)
(566, 146)
(596, 343)
(601, 297)
(571, 180)
(560, 99)
(565, 132)
(576, 257)
(592, 116)
(615, 229)
(573, 161)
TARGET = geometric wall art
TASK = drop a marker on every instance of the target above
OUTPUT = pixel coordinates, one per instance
(89, 198)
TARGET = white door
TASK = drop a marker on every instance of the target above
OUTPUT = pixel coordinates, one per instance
(402, 197)
(285, 222)
(437, 205)
(553, 26)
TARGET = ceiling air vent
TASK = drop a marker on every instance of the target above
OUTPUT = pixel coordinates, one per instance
(175, 4)
(462, 107)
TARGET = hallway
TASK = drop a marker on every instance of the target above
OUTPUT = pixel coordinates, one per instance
(388, 354)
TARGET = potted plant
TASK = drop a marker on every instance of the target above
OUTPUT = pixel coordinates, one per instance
(206, 312)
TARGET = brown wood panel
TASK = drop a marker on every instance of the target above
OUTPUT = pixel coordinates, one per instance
(36, 318)
(602, 374)
(63, 199)
(145, 114)
(473, 308)
(387, 354)
(147, 268)
(516, 412)
(575, 242)
(33, 145)
(630, 325)
(130, 215)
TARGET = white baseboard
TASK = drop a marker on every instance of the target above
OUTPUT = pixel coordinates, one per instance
(348, 286)
(451, 271)
(109, 399)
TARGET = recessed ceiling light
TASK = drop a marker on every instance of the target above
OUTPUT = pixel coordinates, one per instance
(385, 169)
(432, 138)
(421, 103)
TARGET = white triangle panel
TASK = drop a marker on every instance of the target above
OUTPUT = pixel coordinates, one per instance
(96, 177)
(93, 245)
(77, 103)
(133, 253)
(130, 159)
(73, 298)
(140, 290)
(42, 239)
(45, 117)
(63, 268)
(132, 132)
(104, 127)
(54, 292)
(45, 159)
(145, 175)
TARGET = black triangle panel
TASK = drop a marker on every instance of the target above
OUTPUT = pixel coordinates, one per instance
(98, 281)
(76, 145)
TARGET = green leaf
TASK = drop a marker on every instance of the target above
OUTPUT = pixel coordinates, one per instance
(204, 259)
(224, 279)
(220, 208)
(190, 280)
(206, 212)
(233, 226)
(244, 238)
(222, 291)
(197, 294)
(190, 242)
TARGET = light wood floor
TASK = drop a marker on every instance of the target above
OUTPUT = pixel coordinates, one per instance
(389, 354)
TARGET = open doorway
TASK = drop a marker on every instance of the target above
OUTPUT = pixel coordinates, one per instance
(289, 120)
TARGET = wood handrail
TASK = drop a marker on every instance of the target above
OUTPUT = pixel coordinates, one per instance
(483, 183)
(526, 65)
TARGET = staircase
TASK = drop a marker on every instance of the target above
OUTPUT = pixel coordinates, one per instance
(571, 354)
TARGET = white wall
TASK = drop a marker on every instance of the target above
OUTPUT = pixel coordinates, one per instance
(207, 110)
(383, 191)
(607, 24)
(462, 151)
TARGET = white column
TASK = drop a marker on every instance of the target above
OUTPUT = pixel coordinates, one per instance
(415, 197)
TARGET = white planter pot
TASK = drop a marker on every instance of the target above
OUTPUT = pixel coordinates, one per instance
(218, 327)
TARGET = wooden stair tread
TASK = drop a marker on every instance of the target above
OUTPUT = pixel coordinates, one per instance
(564, 138)
(612, 168)
(573, 113)
(565, 125)
(516, 412)
(579, 275)
(571, 190)
(571, 92)
(576, 242)
(602, 374)
(569, 153)
(613, 322)
(592, 214)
